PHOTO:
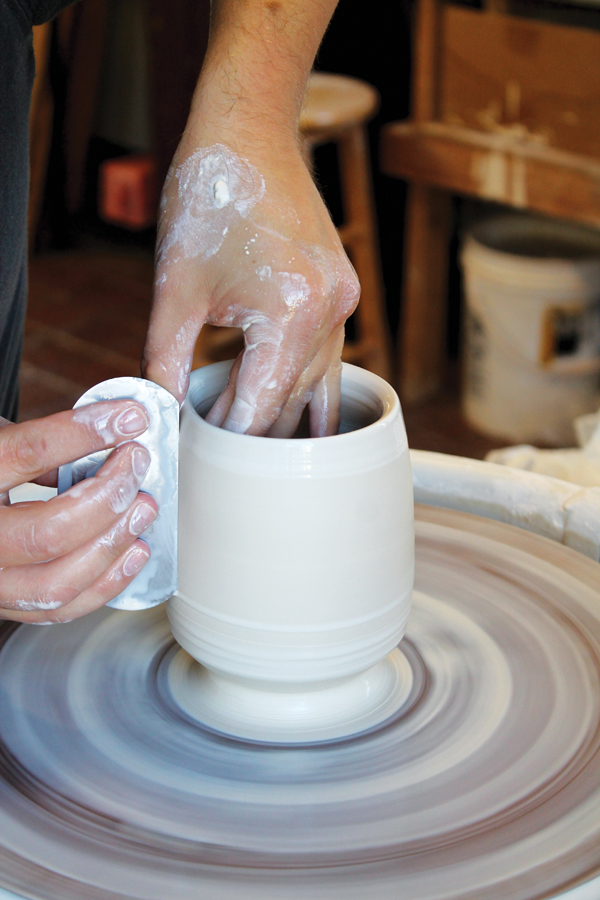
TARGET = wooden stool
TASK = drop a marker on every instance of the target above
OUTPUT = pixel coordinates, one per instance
(337, 109)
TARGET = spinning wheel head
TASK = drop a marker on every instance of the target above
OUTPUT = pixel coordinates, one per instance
(485, 784)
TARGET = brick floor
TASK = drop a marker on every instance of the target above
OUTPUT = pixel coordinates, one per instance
(86, 322)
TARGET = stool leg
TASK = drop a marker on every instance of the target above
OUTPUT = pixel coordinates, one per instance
(424, 296)
(217, 344)
(40, 126)
(359, 234)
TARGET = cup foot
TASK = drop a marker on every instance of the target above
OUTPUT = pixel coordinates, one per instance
(293, 713)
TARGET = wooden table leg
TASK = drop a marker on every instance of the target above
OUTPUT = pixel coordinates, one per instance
(424, 298)
(374, 341)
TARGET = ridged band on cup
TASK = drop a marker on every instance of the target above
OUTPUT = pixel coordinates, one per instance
(288, 654)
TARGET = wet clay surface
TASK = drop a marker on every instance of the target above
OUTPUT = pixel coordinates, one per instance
(485, 784)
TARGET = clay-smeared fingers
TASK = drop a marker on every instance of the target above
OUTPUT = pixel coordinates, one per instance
(55, 584)
(286, 342)
(178, 313)
(318, 388)
(30, 449)
(4, 498)
(324, 406)
(266, 378)
(114, 580)
(219, 412)
(35, 532)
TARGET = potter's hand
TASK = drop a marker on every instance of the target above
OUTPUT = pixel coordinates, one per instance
(63, 558)
(250, 244)
(244, 237)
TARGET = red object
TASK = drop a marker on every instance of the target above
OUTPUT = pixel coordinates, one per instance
(128, 191)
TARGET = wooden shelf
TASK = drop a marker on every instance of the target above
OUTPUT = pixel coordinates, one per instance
(501, 167)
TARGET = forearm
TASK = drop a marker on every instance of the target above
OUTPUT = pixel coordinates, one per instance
(244, 237)
(259, 57)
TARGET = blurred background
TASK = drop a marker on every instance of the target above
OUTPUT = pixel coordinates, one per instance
(457, 146)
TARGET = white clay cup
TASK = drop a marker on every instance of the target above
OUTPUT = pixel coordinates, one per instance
(296, 562)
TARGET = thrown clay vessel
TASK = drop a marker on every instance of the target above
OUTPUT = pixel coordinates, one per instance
(296, 566)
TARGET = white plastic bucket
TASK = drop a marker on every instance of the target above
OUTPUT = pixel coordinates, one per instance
(531, 327)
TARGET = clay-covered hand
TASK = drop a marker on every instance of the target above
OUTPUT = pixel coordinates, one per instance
(63, 558)
(245, 240)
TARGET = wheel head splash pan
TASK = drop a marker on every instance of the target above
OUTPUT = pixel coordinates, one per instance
(485, 784)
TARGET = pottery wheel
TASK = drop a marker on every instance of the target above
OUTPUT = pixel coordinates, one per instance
(486, 783)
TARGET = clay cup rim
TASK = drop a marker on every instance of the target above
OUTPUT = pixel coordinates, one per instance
(199, 400)
(372, 434)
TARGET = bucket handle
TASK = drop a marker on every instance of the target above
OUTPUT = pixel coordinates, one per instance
(555, 327)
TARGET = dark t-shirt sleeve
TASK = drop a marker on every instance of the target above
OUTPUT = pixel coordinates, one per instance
(36, 12)
(44, 11)
(16, 79)
(17, 68)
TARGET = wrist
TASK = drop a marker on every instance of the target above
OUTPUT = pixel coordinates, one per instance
(247, 128)
(246, 107)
